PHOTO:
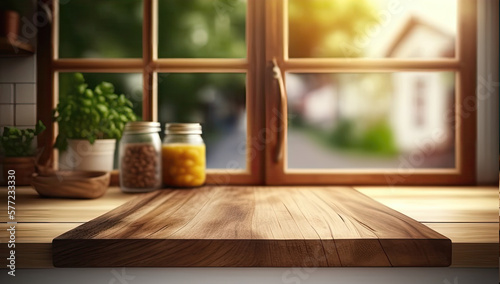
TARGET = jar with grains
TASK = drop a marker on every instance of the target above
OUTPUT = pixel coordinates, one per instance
(140, 157)
(183, 155)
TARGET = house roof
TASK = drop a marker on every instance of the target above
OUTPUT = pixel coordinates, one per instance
(411, 23)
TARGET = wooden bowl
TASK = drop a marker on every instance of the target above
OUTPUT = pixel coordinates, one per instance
(71, 184)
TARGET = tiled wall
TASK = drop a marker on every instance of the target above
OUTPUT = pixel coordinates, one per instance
(18, 83)
(18, 92)
(17, 104)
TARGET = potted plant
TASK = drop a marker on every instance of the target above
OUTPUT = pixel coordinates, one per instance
(18, 153)
(10, 11)
(90, 121)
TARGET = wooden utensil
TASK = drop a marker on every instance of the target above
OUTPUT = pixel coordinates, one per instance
(71, 184)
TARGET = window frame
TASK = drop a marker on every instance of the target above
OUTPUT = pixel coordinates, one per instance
(463, 64)
(150, 65)
(266, 36)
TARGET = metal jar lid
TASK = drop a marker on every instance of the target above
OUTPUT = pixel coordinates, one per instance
(142, 127)
(183, 128)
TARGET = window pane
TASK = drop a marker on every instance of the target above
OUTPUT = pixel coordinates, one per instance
(371, 120)
(202, 28)
(372, 28)
(100, 29)
(217, 101)
(129, 84)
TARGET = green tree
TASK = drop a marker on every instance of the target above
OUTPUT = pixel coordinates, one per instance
(329, 28)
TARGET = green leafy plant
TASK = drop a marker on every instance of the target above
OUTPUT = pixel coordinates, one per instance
(17, 142)
(89, 114)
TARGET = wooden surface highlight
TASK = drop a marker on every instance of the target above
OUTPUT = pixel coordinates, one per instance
(466, 215)
(252, 226)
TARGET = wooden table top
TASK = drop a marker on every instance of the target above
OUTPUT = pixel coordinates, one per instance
(466, 215)
(252, 227)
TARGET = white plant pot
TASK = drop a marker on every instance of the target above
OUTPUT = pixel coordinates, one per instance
(83, 156)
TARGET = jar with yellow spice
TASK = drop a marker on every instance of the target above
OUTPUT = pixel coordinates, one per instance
(183, 155)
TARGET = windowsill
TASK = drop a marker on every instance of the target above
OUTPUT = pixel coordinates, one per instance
(466, 215)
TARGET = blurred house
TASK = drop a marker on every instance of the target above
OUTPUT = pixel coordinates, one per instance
(416, 102)
(321, 107)
(419, 38)
(421, 97)
(314, 98)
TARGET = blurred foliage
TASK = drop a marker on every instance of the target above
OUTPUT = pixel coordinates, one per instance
(379, 138)
(214, 99)
(202, 28)
(186, 29)
(343, 136)
(20, 6)
(329, 28)
(107, 28)
(376, 138)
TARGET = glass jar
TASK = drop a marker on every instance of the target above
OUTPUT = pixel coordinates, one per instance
(183, 155)
(140, 157)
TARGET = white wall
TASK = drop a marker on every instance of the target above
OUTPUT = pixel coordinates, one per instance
(487, 92)
(18, 91)
(18, 83)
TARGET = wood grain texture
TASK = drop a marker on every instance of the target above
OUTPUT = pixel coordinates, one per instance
(252, 226)
(45, 84)
(439, 203)
(30, 207)
(473, 244)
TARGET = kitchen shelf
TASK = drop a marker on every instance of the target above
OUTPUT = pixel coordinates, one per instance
(16, 48)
